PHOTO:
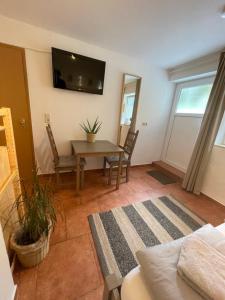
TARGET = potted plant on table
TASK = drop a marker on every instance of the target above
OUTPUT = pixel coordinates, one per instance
(36, 220)
(91, 130)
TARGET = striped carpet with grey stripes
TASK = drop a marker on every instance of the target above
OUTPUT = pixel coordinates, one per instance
(119, 233)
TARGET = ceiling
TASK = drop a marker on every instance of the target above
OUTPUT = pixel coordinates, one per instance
(166, 32)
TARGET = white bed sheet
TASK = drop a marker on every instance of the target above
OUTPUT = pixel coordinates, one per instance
(134, 287)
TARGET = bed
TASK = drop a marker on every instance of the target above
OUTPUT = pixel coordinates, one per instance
(134, 287)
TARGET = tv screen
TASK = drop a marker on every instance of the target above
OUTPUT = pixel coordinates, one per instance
(77, 72)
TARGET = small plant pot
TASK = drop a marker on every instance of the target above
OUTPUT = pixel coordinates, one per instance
(91, 137)
(31, 255)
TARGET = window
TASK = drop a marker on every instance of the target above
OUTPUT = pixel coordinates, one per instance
(193, 99)
(192, 96)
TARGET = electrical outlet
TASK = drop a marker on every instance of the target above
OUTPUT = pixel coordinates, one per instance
(144, 124)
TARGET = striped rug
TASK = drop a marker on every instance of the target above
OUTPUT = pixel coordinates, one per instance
(119, 233)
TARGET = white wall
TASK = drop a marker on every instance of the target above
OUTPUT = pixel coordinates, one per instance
(67, 109)
(214, 181)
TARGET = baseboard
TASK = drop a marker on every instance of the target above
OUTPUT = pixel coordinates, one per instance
(92, 170)
(142, 165)
(211, 199)
(12, 265)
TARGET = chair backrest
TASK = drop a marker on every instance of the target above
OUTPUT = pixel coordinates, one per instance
(52, 143)
(130, 142)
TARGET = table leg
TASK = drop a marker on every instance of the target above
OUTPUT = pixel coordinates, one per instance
(78, 175)
(119, 171)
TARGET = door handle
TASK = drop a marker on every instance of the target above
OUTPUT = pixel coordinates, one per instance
(22, 122)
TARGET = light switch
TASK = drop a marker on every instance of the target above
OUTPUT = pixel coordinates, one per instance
(144, 124)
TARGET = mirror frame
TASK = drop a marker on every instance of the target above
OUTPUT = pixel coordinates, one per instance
(137, 96)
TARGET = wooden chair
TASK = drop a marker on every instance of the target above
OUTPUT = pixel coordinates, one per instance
(64, 163)
(113, 161)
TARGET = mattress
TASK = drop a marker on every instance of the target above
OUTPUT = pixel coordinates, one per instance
(134, 287)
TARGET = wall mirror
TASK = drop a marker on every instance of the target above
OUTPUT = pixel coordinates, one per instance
(129, 106)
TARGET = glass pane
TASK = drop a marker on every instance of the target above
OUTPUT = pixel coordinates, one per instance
(193, 100)
(128, 109)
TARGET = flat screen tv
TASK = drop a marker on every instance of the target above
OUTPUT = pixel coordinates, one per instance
(76, 72)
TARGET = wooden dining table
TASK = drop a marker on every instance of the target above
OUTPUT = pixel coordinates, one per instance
(98, 148)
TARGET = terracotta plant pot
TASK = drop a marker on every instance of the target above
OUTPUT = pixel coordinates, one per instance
(31, 255)
(91, 137)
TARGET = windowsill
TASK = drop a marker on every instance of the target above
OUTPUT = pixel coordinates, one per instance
(220, 145)
(189, 115)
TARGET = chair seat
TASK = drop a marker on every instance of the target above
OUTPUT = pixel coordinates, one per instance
(69, 161)
(114, 160)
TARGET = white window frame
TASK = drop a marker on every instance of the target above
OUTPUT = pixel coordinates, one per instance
(220, 139)
(176, 96)
(186, 84)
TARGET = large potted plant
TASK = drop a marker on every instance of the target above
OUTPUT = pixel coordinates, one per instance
(36, 221)
(91, 130)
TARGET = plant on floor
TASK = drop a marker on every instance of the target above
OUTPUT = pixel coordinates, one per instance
(91, 130)
(36, 220)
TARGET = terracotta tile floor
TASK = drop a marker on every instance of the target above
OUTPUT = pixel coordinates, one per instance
(71, 270)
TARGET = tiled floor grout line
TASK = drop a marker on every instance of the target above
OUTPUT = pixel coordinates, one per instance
(70, 239)
(83, 295)
(96, 263)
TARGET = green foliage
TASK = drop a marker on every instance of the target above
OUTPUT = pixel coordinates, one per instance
(88, 128)
(39, 212)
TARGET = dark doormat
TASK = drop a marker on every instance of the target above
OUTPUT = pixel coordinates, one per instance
(161, 177)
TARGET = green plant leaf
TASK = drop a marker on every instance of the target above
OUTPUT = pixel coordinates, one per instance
(95, 125)
(38, 211)
(84, 128)
(91, 129)
(98, 128)
(89, 126)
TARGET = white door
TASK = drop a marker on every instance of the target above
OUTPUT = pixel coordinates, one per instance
(190, 101)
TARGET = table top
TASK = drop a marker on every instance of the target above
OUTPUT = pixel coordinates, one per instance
(98, 147)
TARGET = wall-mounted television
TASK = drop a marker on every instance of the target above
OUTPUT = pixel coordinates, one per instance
(76, 72)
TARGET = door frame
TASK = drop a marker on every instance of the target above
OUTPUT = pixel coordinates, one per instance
(22, 51)
(176, 96)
